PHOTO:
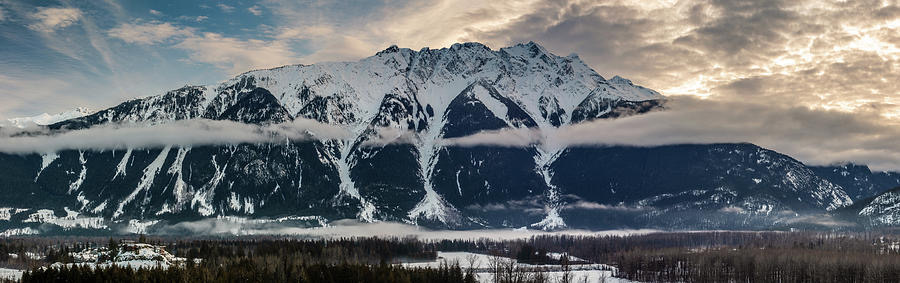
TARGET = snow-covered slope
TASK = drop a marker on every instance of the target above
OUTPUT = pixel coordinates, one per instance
(881, 210)
(45, 119)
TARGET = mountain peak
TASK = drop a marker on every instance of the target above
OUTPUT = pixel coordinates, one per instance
(530, 49)
(47, 119)
(390, 49)
(620, 80)
(535, 48)
(469, 45)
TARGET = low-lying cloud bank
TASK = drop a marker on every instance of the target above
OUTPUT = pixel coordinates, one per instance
(816, 137)
(353, 228)
(180, 133)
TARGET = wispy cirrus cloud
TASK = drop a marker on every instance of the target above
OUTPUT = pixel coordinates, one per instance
(225, 8)
(256, 10)
(237, 55)
(149, 33)
(49, 19)
(228, 53)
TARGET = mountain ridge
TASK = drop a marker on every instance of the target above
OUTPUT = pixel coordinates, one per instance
(433, 94)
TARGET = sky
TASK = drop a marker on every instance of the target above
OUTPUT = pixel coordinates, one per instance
(836, 55)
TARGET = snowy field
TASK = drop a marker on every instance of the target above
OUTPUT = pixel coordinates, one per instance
(130, 255)
(10, 274)
(481, 264)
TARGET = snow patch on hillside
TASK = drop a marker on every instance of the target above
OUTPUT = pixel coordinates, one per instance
(73, 219)
(146, 181)
(6, 213)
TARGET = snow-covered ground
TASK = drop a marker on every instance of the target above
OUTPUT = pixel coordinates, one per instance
(133, 255)
(10, 274)
(558, 256)
(481, 263)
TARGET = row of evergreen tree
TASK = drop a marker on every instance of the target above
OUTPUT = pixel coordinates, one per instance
(757, 265)
(253, 270)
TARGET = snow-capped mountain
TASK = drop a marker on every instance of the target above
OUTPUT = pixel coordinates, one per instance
(45, 119)
(434, 94)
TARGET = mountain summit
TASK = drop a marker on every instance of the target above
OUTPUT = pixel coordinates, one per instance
(45, 119)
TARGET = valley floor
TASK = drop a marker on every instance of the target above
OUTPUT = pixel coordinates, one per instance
(485, 267)
(698, 256)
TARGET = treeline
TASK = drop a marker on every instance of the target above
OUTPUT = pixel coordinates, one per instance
(757, 265)
(356, 250)
(253, 269)
(604, 249)
(719, 256)
(740, 256)
(272, 260)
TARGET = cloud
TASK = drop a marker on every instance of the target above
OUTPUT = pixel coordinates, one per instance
(237, 55)
(518, 137)
(227, 53)
(733, 209)
(2, 15)
(193, 19)
(530, 206)
(814, 136)
(182, 133)
(817, 219)
(225, 8)
(350, 228)
(832, 55)
(256, 10)
(155, 12)
(148, 33)
(599, 206)
(385, 136)
(50, 19)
